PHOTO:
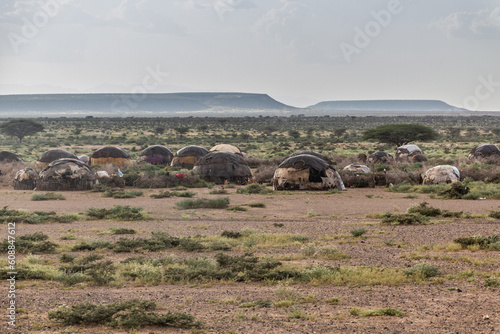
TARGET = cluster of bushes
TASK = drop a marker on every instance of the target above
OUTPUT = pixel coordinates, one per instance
(217, 203)
(30, 243)
(132, 313)
(47, 197)
(36, 217)
(254, 189)
(490, 243)
(120, 193)
(118, 212)
(167, 194)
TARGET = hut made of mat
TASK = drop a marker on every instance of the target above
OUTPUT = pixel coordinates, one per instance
(156, 155)
(484, 151)
(25, 179)
(226, 148)
(406, 152)
(187, 156)
(52, 155)
(380, 157)
(306, 171)
(66, 174)
(357, 168)
(221, 166)
(9, 157)
(110, 155)
(441, 174)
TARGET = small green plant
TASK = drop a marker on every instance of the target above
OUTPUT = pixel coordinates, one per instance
(495, 214)
(47, 197)
(238, 208)
(425, 210)
(254, 189)
(278, 224)
(67, 258)
(121, 230)
(358, 232)
(491, 282)
(393, 312)
(422, 270)
(256, 205)
(333, 301)
(218, 203)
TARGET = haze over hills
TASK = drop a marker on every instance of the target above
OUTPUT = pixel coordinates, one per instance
(202, 104)
(387, 106)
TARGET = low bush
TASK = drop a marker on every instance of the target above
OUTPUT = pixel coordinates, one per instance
(393, 312)
(254, 189)
(167, 194)
(403, 219)
(231, 234)
(122, 230)
(495, 214)
(256, 205)
(490, 243)
(422, 270)
(358, 232)
(118, 212)
(47, 197)
(238, 208)
(217, 203)
(30, 243)
(91, 246)
(120, 193)
(36, 217)
(130, 314)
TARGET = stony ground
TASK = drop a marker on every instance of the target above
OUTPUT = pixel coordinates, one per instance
(437, 305)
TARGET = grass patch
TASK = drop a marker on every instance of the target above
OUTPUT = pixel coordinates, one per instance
(218, 203)
(129, 314)
(379, 312)
(121, 193)
(254, 189)
(47, 197)
(488, 243)
(495, 214)
(218, 192)
(118, 212)
(256, 205)
(122, 230)
(422, 270)
(166, 194)
(36, 217)
(403, 219)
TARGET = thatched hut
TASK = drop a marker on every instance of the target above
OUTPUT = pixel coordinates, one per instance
(380, 157)
(357, 176)
(187, 156)
(156, 155)
(410, 153)
(110, 155)
(305, 171)
(66, 174)
(226, 148)
(483, 151)
(52, 155)
(441, 174)
(25, 179)
(219, 167)
(8, 157)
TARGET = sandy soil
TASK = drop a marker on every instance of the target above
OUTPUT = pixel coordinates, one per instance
(327, 218)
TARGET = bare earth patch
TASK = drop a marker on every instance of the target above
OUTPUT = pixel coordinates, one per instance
(457, 301)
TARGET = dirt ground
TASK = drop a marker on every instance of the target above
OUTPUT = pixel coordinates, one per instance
(446, 306)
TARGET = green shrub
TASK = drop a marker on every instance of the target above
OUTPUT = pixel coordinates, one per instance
(47, 197)
(36, 217)
(256, 205)
(130, 314)
(491, 282)
(231, 234)
(495, 214)
(91, 246)
(422, 270)
(425, 210)
(238, 208)
(218, 192)
(69, 279)
(67, 258)
(254, 189)
(121, 230)
(403, 219)
(401, 188)
(118, 212)
(30, 243)
(218, 203)
(166, 194)
(120, 193)
(492, 242)
(358, 232)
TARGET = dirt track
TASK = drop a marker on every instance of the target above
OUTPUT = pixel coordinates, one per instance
(326, 219)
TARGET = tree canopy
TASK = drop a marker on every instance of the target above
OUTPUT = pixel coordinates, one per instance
(400, 134)
(20, 128)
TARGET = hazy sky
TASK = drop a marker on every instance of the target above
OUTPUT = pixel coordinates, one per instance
(299, 52)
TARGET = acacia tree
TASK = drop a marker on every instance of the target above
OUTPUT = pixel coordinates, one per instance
(400, 134)
(20, 128)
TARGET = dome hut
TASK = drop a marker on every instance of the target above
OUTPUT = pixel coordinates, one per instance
(314, 153)
(484, 151)
(357, 168)
(405, 153)
(187, 156)
(25, 179)
(226, 148)
(219, 167)
(66, 174)
(110, 155)
(380, 157)
(156, 155)
(84, 158)
(8, 157)
(441, 174)
(305, 171)
(52, 155)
